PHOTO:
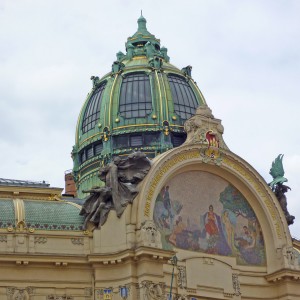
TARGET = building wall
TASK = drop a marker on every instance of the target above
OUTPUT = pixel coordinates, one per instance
(133, 253)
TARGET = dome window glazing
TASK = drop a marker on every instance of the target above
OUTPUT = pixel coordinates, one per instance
(178, 139)
(91, 151)
(135, 96)
(185, 102)
(135, 140)
(93, 109)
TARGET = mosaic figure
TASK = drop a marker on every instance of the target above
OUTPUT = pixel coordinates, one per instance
(202, 212)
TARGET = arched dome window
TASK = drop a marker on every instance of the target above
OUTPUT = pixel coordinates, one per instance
(185, 102)
(135, 96)
(92, 110)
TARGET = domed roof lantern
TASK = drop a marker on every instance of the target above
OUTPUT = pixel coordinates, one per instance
(142, 23)
(142, 36)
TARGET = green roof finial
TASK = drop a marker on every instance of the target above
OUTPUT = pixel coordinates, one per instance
(140, 38)
(142, 23)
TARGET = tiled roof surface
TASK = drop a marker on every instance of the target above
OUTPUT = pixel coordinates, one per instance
(15, 182)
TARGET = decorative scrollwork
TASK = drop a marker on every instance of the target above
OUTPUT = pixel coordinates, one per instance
(181, 277)
(236, 284)
(153, 291)
(40, 240)
(77, 241)
(59, 297)
(3, 239)
(14, 293)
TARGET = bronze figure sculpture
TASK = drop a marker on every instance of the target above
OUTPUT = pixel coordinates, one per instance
(277, 186)
(121, 177)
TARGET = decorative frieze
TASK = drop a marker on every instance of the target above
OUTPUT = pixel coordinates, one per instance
(236, 284)
(182, 277)
(3, 239)
(14, 293)
(59, 297)
(151, 290)
(77, 241)
(40, 240)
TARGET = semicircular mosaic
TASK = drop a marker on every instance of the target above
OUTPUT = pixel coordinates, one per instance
(202, 212)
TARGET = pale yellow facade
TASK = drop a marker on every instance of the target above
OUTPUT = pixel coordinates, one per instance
(129, 251)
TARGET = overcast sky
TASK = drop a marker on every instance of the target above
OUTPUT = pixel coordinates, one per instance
(245, 57)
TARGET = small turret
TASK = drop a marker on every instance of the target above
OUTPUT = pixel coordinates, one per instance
(142, 42)
(142, 24)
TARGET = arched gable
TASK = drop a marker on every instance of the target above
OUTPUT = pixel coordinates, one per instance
(231, 175)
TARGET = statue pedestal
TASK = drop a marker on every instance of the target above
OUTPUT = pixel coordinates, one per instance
(111, 237)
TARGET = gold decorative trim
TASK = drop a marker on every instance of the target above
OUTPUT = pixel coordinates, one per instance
(110, 100)
(100, 133)
(192, 154)
(160, 97)
(139, 57)
(75, 205)
(165, 91)
(19, 211)
(134, 125)
(92, 163)
(201, 95)
(10, 229)
(177, 126)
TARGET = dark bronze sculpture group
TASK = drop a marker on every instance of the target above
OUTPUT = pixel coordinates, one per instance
(121, 177)
(279, 188)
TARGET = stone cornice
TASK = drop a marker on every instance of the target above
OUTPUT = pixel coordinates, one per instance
(137, 254)
(284, 274)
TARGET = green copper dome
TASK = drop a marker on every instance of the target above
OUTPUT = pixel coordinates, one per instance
(141, 104)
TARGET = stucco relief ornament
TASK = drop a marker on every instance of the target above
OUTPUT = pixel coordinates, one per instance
(153, 291)
(236, 284)
(14, 293)
(182, 277)
(291, 257)
(3, 239)
(149, 235)
(60, 297)
(205, 130)
(277, 186)
(121, 177)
